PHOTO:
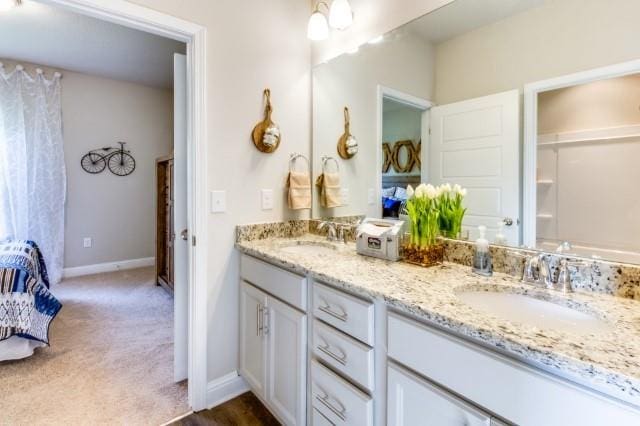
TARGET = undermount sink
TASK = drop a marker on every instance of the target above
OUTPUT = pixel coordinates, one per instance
(529, 310)
(308, 247)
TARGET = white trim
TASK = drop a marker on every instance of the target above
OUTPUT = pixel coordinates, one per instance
(148, 20)
(99, 268)
(405, 98)
(225, 388)
(529, 153)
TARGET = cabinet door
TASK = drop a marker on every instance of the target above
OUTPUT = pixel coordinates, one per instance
(253, 341)
(412, 400)
(287, 362)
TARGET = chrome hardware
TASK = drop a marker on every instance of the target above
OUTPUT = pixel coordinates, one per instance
(326, 349)
(331, 233)
(536, 270)
(265, 318)
(507, 221)
(564, 247)
(341, 413)
(184, 234)
(258, 319)
(327, 310)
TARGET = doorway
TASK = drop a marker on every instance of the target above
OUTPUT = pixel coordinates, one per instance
(194, 36)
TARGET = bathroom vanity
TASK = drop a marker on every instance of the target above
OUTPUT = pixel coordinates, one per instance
(330, 337)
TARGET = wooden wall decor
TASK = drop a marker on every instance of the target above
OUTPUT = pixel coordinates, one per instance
(347, 144)
(266, 134)
(392, 156)
(386, 154)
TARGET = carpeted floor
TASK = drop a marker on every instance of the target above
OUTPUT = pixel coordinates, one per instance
(110, 359)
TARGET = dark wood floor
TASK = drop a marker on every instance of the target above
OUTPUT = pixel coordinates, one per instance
(245, 410)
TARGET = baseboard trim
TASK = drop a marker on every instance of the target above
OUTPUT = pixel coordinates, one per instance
(225, 388)
(99, 268)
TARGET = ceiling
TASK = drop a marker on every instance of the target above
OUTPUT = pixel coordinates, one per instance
(463, 16)
(57, 38)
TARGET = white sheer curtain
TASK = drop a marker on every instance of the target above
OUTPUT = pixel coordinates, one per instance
(32, 171)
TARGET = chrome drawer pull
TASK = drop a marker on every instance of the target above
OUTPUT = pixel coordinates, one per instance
(340, 413)
(258, 319)
(325, 350)
(327, 310)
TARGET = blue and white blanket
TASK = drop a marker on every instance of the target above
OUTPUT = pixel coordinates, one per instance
(27, 307)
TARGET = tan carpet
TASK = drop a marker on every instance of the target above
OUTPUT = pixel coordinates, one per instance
(110, 359)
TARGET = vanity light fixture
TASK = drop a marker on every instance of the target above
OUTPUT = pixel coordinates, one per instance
(318, 28)
(340, 18)
(340, 14)
(6, 5)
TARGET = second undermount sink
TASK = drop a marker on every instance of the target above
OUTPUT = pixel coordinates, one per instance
(532, 311)
(308, 247)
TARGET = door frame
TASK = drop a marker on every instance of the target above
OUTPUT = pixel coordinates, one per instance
(409, 100)
(148, 20)
(529, 152)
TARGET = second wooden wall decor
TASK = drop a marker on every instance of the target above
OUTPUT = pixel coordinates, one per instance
(391, 154)
(266, 134)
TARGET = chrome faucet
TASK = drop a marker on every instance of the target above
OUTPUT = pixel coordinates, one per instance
(538, 272)
(331, 230)
(342, 236)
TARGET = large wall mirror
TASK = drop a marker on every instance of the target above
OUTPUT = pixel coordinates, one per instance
(532, 105)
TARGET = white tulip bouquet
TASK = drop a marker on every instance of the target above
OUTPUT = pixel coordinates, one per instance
(422, 207)
(451, 210)
(434, 211)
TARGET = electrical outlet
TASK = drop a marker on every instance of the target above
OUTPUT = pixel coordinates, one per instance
(371, 196)
(218, 201)
(267, 199)
(344, 196)
(87, 242)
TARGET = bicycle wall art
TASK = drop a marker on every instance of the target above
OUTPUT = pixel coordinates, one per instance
(118, 160)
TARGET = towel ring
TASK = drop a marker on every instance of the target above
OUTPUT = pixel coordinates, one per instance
(294, 157)
(326, 159)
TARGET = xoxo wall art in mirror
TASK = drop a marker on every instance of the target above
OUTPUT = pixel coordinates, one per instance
(531, 105)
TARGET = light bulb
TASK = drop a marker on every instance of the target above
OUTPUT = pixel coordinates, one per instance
(340, 14)
(317, 29)
(6, 5)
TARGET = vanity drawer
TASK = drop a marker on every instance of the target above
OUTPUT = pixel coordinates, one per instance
(338, 400)
(344, 354)
(347, 313)
(511, 389)
(286, 286)
(318, 419)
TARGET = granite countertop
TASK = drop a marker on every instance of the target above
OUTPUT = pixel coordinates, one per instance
(607, 361)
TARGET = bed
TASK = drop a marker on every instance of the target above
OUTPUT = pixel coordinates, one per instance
(27, 307)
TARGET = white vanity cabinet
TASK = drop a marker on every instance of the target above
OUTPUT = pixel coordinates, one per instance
(273, 341)
(412, 400)
(513, 390)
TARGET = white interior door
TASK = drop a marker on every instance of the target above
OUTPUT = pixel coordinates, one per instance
(181, 245)
(476, 143)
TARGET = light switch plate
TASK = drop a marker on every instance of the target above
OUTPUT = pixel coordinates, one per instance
(267, 199)
(344, 196)
(87, 242)
(218, 201)
(371, 196)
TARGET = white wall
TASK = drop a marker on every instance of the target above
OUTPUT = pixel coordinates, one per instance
(250, 46)
(371, 19)
(403, 63)
(118, 213)
(560, 37)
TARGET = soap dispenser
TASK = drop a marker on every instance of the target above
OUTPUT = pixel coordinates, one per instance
(482, 257)
(500, 239)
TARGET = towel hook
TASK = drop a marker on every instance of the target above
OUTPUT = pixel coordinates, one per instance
(327, 158)
(294, 156)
